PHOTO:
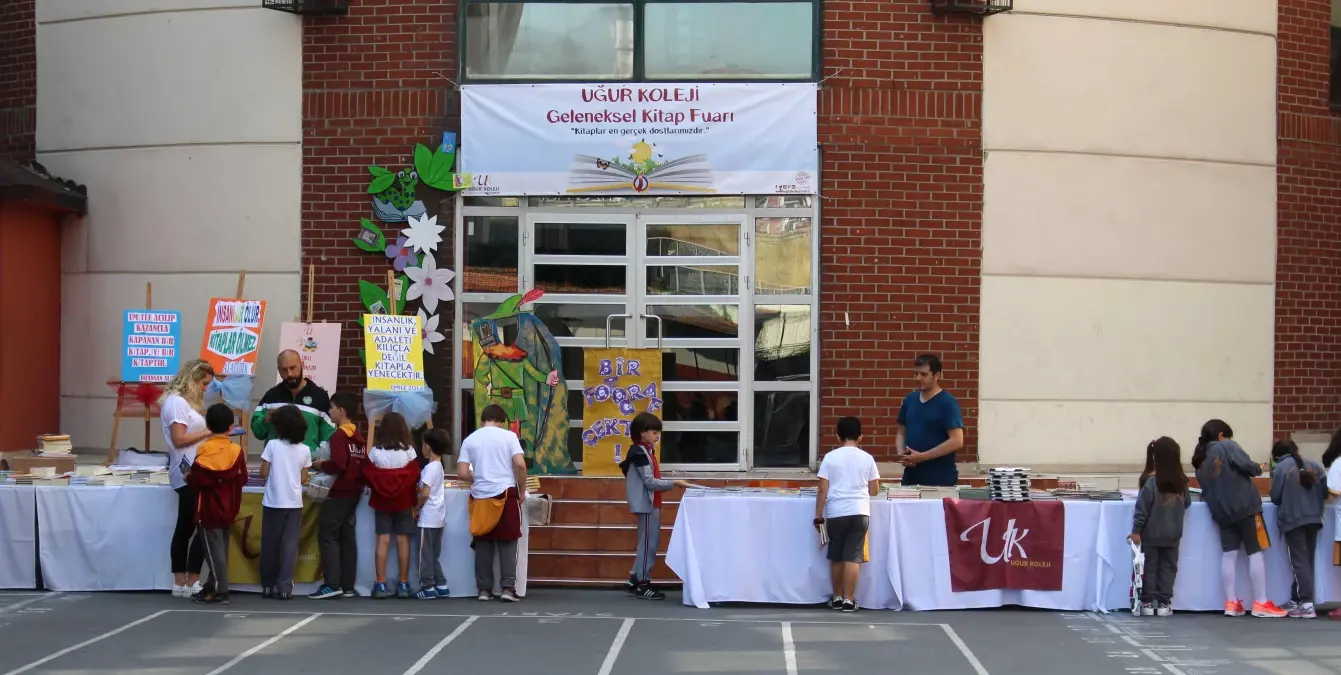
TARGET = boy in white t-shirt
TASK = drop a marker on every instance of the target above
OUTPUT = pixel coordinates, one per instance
(848, 478)
(432, 507)
(284, 465)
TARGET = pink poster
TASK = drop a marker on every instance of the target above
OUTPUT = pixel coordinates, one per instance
(319, 345)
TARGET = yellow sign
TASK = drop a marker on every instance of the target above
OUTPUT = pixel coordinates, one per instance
(617, 384)
(244, 546)
(394, 352)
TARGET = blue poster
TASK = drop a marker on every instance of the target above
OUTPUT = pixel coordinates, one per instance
(448, 141)
(151, 350)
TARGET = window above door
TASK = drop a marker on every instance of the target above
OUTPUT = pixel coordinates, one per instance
(507, 41)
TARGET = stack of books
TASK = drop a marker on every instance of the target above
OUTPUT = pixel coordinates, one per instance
(1009, 484)
(54, 445)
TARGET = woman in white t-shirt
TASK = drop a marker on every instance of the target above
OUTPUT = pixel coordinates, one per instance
(183, 430)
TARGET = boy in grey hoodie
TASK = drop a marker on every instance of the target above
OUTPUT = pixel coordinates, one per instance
(643, 486)
(1299, 491)
(1158, 525)
(1226, 474)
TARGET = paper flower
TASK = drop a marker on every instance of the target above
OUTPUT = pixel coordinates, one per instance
(423, 233)
(401, 254)
(428, 329)
(430, 283)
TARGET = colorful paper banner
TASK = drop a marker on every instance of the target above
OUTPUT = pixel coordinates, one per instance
(394, 349)
(319, 346)
(617, 384)
(233, 335)
(150, 345)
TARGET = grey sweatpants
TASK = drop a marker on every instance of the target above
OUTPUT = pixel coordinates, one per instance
(1302, 542)
(484, 564)
(430, 558)
(215, 542)
(279, 547)
(1161, 571)
(649, 540)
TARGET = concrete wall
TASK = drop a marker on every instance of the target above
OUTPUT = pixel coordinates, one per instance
(183, 118)
(1128, 229)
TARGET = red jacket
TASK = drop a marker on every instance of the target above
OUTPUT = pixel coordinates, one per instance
(392, 489)
(218, 493)
(348, 455)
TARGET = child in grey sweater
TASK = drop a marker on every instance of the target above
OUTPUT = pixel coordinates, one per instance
(643, 486)
(1158, 525)
(1299, 491)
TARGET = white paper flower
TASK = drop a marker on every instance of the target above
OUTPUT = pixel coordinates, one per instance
(430, 283)
(423, 233)
(428, 329)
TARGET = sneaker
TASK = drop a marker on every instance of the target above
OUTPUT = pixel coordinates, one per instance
(1268, 610)
(836, 602)
(443, 591)
(1303, 610)
(849, 605)
(509, 595)
(206, 598)
(1291, 606)
(179, 591)
(1334, 615)
(1163, 609)
(324, 592)
(646, 592)
(484, 596)
(268, 592)
(403, 590)
(283, 596)
(1147, 609)
(427, 593)
(349, 593)
(192, 590)
(631, 586)
(1234, 608)
(379, 591)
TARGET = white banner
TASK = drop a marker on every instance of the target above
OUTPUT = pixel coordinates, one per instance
(649, 139)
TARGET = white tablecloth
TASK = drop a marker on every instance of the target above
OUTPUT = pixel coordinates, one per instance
(764, 549)
(18, 537)
(117, 539)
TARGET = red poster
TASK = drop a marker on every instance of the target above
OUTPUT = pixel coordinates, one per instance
(996, 545)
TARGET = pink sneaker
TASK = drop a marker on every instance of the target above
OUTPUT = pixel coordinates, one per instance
(1234, 608)
(1268, 610)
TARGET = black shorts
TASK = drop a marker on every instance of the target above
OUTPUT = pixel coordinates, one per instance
(1241, 534)
(398, 522)
(847, 538)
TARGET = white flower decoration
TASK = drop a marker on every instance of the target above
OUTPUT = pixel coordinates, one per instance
(428, 329)
(430, 283)
(423, 233)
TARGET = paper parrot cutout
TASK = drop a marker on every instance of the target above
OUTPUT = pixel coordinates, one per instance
(523, 378)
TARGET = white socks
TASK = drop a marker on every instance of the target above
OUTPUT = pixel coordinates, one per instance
(1256, 575)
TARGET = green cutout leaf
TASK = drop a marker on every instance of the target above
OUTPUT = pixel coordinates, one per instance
(381, 182)
(377, 246)
(440, 171)
(374, 298)
(363, 357)
(378, 171)
(423, 161)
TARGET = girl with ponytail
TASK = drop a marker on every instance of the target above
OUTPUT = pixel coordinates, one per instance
(1299, 491)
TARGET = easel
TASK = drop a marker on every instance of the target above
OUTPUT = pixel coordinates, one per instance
(148, 407)
(240, 415)
(392, 294)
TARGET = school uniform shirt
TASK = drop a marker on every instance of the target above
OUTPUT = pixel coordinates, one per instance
(175, 410)
(489, 452)
(284, 487)
(849, 471)
(434, 512)
(927, 424)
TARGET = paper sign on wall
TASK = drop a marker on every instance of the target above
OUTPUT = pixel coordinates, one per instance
(233, 335)
(319, 346)
(151, 339)
(617, 384)
(394, 346)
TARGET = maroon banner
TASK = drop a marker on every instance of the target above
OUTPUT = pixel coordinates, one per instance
(997, 545)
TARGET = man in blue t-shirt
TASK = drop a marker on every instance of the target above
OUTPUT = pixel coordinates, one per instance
(931, 429)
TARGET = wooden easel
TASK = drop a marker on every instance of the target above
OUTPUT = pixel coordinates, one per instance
(148, 407)
(392, 294)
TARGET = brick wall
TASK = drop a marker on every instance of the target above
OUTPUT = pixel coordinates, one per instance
(1308, 247)
(374, 84)
(18, 79)
(900, 259)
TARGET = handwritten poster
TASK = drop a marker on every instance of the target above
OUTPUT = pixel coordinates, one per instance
(319, 346)
(394, 347)
(150, 341)
(233, 335)
(617, 384)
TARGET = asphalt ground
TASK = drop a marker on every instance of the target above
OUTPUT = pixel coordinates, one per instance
(558, 632)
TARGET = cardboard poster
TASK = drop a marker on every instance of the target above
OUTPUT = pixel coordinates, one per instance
(394, 345)
(150, 342)
(244, 550)
(617, 384)
(319, 346)
(233, 335)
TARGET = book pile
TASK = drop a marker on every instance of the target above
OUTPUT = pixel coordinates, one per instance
(901, 491)
(1008, 484)
(938, 493)
(54, 445)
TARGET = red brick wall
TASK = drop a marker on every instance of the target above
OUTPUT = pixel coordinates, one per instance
(900, 256)
(1308, 260)
(374, 84)
(18, 79)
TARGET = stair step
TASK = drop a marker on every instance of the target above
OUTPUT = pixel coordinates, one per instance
(571, 512)
(593, 565)
(594, 583)
(598, 538)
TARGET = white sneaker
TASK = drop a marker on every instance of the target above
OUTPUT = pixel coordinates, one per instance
(1163, 610)
(192, 590)
(484, 596)
(178, 591)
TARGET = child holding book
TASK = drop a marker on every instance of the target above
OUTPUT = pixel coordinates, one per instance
(284, 465)
(392, 473)
(1158, 525)
(217, 477)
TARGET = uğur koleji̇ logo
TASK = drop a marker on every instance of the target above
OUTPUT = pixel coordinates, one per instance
(645, 168)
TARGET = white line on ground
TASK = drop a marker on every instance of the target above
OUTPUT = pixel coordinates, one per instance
(423, 660)
(788, 648)
(541, 615)
(29, 601)
(85, 643)
(609, 663)
(238, 659)
(963, 649)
